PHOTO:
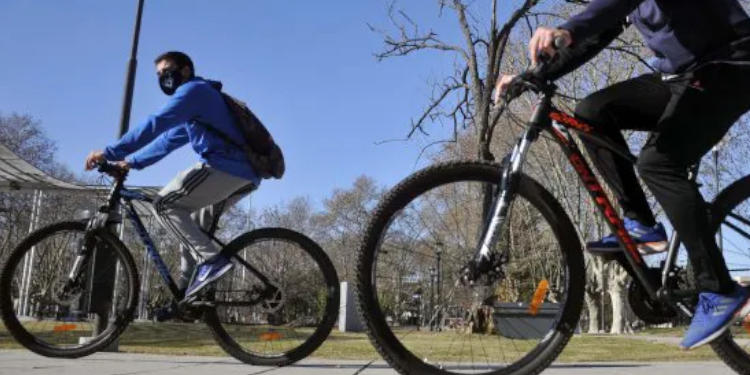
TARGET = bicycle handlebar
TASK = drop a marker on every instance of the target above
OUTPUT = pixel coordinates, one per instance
(532, 78)
(110, 169)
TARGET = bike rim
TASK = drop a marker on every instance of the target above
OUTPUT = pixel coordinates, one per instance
(57, 320)
(282, 322)
(452, 329)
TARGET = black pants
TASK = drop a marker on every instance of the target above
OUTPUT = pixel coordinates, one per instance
(686, 116)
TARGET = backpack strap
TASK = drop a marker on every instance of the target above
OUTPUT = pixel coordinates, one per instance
(217, 85)
(221, 134)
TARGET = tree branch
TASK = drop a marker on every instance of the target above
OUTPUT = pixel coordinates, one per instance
(409, 37)
(447, 89)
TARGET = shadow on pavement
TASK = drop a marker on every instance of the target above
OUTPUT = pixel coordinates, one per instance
(467, 367)
(350, 365)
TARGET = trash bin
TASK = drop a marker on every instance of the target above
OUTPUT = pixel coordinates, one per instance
(514, 321)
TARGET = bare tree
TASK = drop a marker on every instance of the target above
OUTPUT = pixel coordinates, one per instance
(463, 98)
(343, 221)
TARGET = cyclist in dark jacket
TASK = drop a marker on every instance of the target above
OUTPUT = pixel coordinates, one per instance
(700, 88)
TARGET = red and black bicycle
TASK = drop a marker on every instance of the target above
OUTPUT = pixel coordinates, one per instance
(449, 283)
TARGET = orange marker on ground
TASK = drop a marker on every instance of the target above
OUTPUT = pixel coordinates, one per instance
(539, 295)
(64, 327)
(270, 336)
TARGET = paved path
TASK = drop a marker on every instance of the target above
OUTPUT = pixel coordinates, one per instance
(19, 362)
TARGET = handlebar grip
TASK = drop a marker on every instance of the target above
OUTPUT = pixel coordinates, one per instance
(544, 59)
(111, 169)
(103, 166)
(559, 43)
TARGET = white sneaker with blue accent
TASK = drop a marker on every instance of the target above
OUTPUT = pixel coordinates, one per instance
(208, 272)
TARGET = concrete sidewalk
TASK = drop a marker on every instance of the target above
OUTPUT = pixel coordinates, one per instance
(19, 362)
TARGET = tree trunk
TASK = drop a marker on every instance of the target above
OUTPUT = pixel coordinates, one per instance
(592, 306)
(617, 290)
(594, 285)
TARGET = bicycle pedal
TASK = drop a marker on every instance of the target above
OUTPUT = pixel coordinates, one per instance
(202, 303)
(187, 301)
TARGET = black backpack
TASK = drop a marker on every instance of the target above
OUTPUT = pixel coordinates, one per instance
(263, 153)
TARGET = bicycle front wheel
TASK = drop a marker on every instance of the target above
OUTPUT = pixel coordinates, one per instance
(424, 321)
(280, 301)
(54, 317)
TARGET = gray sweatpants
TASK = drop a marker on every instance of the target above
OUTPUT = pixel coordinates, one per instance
(193, 201)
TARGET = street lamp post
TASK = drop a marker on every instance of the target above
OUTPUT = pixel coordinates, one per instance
(438, 252)
(101, 293)
(431, 315)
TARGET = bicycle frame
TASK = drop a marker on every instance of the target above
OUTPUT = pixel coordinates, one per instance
(547, 118)
(128, 196)
(102, 218)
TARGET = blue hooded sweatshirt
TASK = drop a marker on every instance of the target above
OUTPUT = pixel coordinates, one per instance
(680, 32)
(179, 122)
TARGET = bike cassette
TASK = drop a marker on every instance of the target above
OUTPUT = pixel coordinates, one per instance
(485, 272)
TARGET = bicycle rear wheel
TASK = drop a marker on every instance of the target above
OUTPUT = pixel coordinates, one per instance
(55, 318)
(282, 324)
(423, 320)
(730, 218)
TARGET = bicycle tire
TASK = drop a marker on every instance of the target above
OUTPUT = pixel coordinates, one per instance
(324, 327)
(378, 331)
(725, 202)
(39, 346)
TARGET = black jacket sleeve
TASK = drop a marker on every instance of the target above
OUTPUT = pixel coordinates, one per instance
(581, 51)
(599, 16)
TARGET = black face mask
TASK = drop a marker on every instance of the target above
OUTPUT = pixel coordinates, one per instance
(170, 80)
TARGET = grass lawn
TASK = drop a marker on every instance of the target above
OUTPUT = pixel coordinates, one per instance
(196, 339)
(738, 331)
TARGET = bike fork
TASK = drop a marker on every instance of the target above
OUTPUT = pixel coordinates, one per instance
(83, 253)
(76, 269)
(512, 166)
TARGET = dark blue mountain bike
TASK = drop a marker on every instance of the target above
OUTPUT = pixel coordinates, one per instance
(276, 306)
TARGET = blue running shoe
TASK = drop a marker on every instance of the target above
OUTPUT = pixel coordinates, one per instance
(650, 240)
(714, 314)
(207, 273)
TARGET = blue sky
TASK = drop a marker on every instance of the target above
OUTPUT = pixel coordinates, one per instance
(305, 67)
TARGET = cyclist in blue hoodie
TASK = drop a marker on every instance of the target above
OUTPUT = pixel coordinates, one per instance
(700, 88)
(221, 177)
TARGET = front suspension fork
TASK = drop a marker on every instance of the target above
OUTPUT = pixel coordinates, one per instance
(85, 251)
(511, 173)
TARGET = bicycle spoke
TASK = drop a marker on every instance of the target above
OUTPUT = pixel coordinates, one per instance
(738, 230)
(270, 328)
(51, 308)
(417, 266)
